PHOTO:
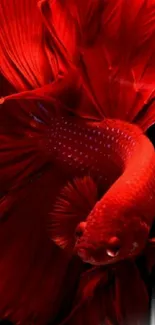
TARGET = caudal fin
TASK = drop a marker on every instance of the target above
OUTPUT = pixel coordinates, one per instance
(21, 157)
(20, 163)
(116, 56)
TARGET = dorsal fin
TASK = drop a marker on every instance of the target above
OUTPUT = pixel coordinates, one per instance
(116, 56)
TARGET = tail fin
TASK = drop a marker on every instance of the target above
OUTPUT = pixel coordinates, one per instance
(120, 40)
(122, 78)
(116, 50)
(27, 257)
(20, 156)
(21, 161)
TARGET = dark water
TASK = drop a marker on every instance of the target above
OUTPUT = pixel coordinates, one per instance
(5, 322)
(151, 279)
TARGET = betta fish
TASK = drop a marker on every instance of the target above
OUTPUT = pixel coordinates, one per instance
(118, 225)
(113, 152)
(79, 102)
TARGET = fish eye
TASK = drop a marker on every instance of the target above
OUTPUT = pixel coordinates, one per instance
(112, 253)
(114, 246)
(80, 230)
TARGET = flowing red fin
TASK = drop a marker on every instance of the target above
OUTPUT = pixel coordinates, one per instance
(121, 44)
(73, 206)
(63, 94)
(90, 280)
(20, 162)
(28, 258)
(68, 22)
(132, 306)
(23, 60)
(57, 17)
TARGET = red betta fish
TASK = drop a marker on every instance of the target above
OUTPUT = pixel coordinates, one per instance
(110, 151)
(119, 224)
(100, 141)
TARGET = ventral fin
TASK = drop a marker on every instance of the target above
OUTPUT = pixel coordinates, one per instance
(72, 207)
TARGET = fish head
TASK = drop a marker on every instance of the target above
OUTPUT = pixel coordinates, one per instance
(106, 239)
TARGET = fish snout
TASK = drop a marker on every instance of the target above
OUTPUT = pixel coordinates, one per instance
(86, 255)
(88, 252)
(83, 249)
(83, 254)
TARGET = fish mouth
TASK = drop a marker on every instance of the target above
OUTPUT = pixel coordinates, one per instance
(84, 251)
(85, 257)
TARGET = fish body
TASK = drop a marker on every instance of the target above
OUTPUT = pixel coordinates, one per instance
(91, 147)
(121, 151)
(119, 158)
